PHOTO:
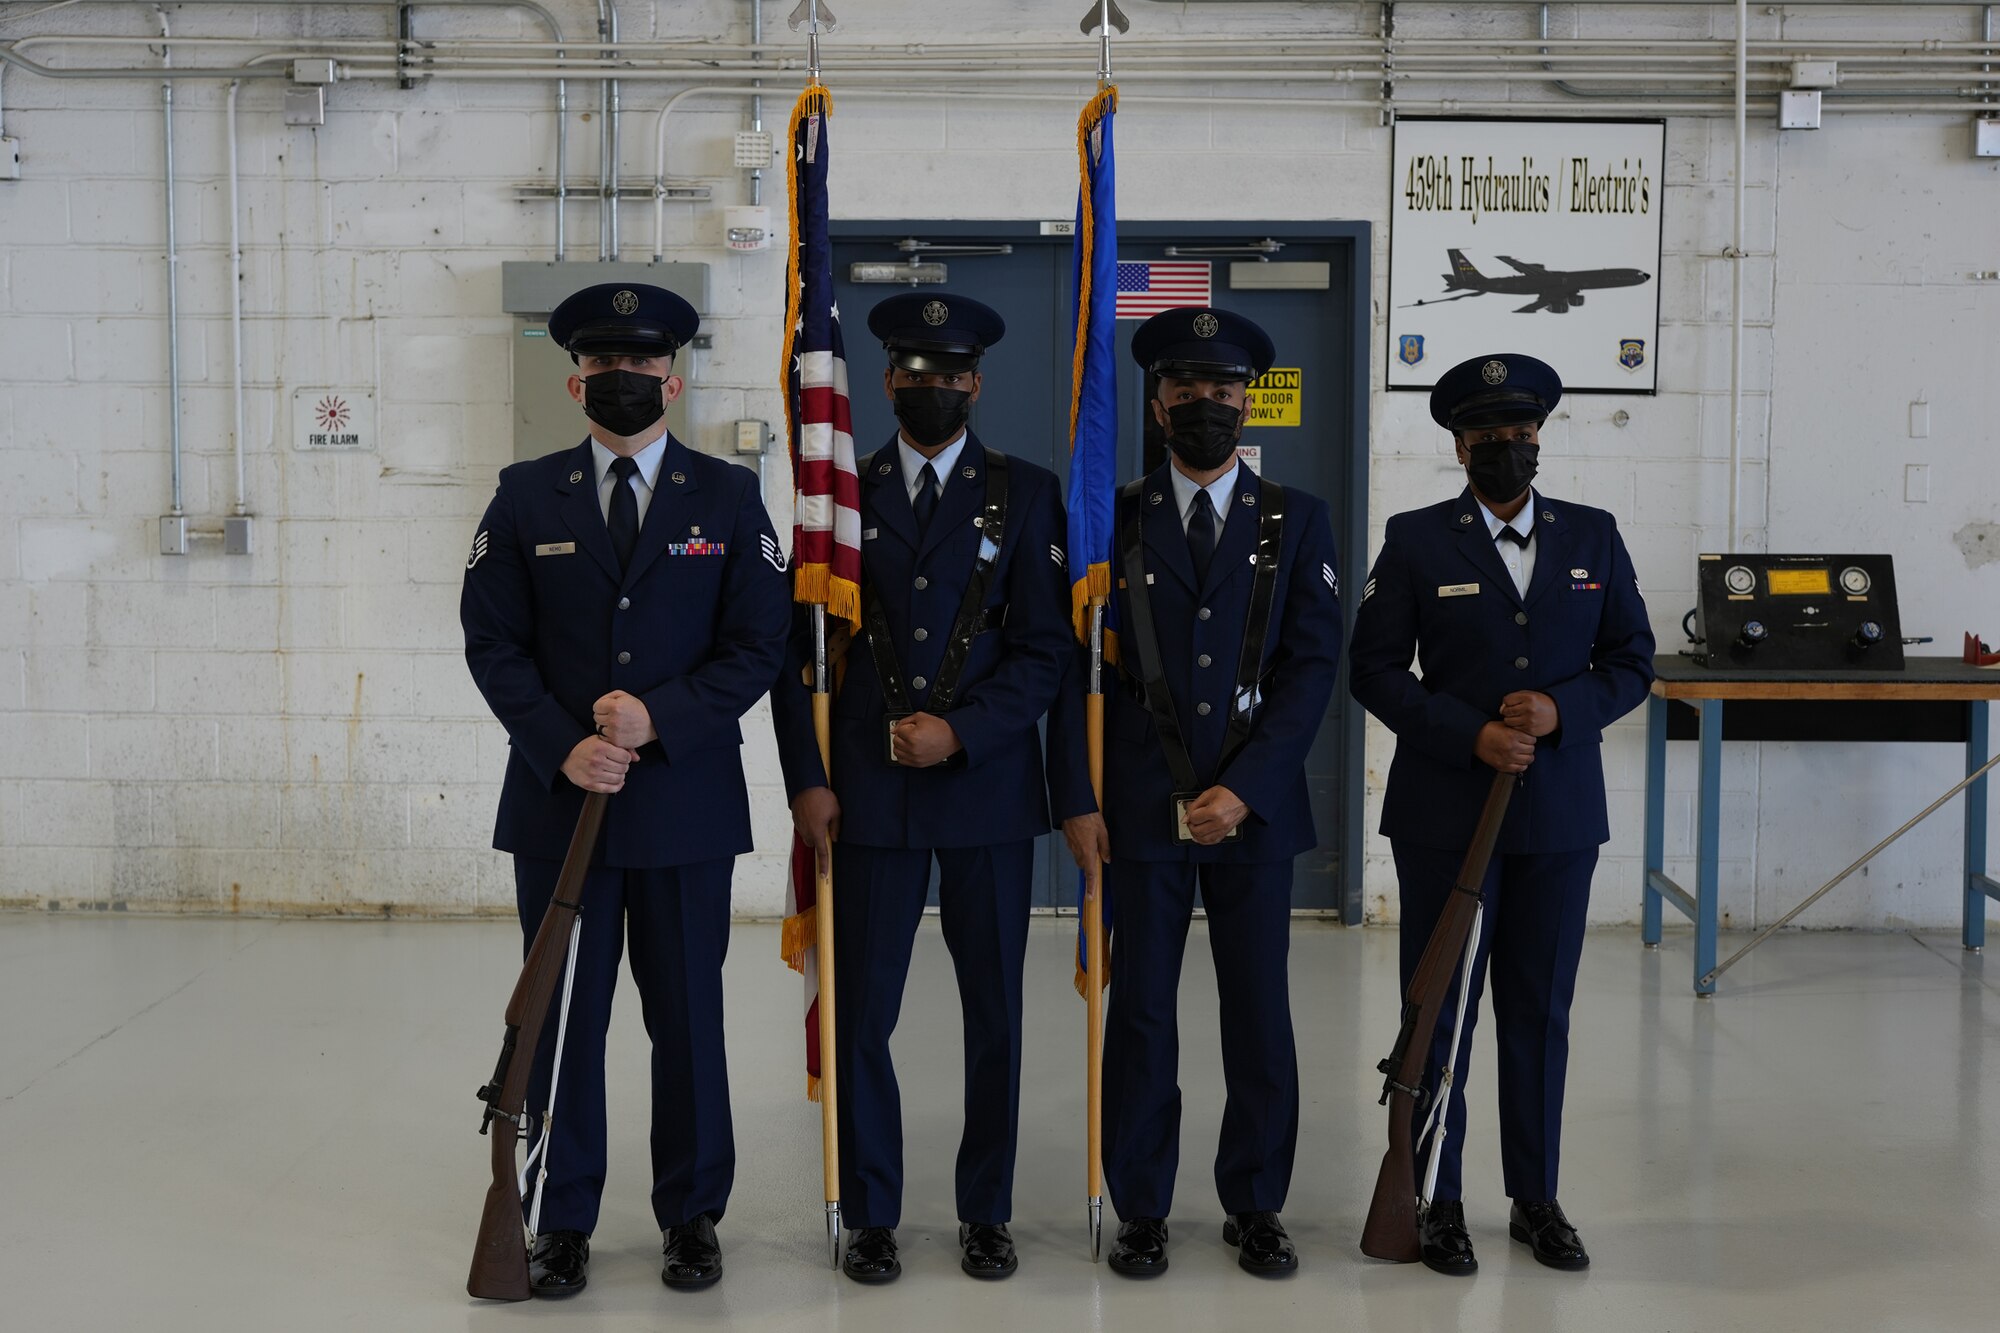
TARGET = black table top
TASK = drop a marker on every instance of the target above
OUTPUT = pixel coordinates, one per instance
(1933, 670)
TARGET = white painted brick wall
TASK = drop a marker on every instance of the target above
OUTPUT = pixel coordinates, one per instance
(295, 730)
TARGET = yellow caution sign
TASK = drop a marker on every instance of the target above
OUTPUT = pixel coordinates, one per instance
(1275, 397)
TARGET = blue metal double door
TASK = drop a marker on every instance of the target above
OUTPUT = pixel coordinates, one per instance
(1306, 435)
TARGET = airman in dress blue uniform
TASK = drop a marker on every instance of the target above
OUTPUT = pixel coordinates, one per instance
(935, 757)
(1227, 605)
(625, 603)
(1523, 615)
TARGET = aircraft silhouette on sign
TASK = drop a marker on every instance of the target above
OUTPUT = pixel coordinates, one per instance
(1554, 290)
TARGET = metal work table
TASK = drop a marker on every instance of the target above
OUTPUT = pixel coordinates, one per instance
(1939, 699)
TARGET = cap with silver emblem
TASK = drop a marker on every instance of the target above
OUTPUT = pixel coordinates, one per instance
(1502, 389)
(1203, 343)
(935, 333)
(623, 319)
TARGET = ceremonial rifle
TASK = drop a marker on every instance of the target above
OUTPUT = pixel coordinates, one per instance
(500, 1260)
(1391, 1230)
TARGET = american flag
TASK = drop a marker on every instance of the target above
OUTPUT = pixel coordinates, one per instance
(1146, 287)
(826, 527)
(826, 523)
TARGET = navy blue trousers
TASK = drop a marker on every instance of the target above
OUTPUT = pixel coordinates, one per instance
(1533, 937)
(1249, 933)
(878, 900)
(678, 923)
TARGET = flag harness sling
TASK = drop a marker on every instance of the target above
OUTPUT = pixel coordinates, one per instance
(974, 616)
(1149, 666)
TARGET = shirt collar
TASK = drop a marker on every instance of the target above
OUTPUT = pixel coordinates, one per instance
(1218, 490)
(648, 459)
(913, 462)
(1523, 522)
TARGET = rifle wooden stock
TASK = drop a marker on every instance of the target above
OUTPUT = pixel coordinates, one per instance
(1391, 1230)
(500, 1259)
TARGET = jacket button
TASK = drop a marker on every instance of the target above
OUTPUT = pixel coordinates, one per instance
(624, 603)
(1203, 660)
(623, 658)
(1201, 710)
(1520, 617)
(1202, 614)
(922, 583)
(1521, 664)
(921, 635)
(918, 682)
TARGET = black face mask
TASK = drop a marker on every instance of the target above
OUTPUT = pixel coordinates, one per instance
(932, 415)
(1502, 469)
(1203, 433)
(623, 401)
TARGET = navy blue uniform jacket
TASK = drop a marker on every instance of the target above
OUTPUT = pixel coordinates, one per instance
(695, 629)
(1205, 624)
(1580, 636)
(994, 792)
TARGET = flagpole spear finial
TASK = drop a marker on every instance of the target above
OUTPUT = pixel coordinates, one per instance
(1102, 18)
(813, 17)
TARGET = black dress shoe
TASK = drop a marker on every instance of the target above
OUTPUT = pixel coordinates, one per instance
(559, 1265)
(1263, 1247)
(1447, 1246)
(871, 1255)
(1141, 1247)
(693, 1255)
(1543, 1228)
(989, 1250)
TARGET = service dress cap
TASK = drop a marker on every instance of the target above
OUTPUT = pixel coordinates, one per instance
(1199, 342)
(1503, 389)
(623, 319)
(935, 333)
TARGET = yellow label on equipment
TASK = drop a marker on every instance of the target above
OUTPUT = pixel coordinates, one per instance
(1275, 398)
(1800, 583)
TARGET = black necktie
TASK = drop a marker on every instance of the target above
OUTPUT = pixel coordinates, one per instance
(624, 517)
(1508, 532)
(1201, 534)
(927, 498)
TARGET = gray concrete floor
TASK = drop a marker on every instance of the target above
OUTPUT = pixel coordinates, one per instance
(254, 1124)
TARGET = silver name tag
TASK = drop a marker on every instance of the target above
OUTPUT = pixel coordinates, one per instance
(1458, 590)
(556, 548)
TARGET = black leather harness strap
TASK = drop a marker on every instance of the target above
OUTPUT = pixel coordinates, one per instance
(1257, 628)
(973, 613)
(1143, 636)
(1145, 659)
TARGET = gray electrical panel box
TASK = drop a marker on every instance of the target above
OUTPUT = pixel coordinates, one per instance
(546, 418)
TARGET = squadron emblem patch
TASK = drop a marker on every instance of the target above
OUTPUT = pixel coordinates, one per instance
(1632, 353)
(1411, 348)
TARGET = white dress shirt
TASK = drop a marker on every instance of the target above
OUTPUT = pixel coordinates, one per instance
(913, 463)
(1520, 560)
(643, 481)
(1219, 492)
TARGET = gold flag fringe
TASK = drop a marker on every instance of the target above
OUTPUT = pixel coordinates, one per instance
(798, 936)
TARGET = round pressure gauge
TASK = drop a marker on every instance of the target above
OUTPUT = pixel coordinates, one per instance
(1739, 580)
(1854, 580)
